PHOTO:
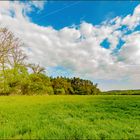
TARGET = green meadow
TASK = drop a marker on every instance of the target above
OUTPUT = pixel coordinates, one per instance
(70, 117)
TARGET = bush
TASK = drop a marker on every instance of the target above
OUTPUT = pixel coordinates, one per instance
(59, 91)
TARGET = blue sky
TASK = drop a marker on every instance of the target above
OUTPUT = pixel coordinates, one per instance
(96, 40)
(60, 14)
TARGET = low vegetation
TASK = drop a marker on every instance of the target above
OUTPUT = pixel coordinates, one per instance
(70, 117)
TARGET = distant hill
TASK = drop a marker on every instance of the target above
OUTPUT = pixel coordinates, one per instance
(122, 92)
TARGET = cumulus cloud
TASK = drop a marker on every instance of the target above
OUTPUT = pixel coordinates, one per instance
(79, 49)
(132, 20)
(130, 52)
(19, 9)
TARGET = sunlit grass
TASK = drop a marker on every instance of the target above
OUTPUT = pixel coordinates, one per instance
(70, 117)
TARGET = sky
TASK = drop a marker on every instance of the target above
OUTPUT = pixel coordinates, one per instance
(95, 40)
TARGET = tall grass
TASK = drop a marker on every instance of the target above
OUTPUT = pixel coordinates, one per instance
(70, 117)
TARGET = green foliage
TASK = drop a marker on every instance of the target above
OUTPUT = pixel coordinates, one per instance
(40, 84)
(63, 85)
(19, 81)
(70, 117)
(59, 91)
(16, 79)
(122, 92)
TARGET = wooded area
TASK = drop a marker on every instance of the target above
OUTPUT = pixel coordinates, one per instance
(19, 77)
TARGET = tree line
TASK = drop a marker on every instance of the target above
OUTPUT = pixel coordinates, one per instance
(19, 77)
(122, 92)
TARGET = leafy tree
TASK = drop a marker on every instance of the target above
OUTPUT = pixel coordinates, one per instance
(40, 84)
(15, 77)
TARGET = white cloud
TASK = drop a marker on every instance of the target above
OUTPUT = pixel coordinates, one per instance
(132, 20)
(130, 51)
(38, 4)
(78, 49)
(19, 9)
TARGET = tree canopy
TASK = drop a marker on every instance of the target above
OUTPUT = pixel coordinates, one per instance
(15, 77)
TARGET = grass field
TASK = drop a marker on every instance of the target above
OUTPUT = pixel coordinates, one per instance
(70, 117)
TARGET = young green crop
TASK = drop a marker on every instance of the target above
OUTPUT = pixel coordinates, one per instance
(70, 117)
